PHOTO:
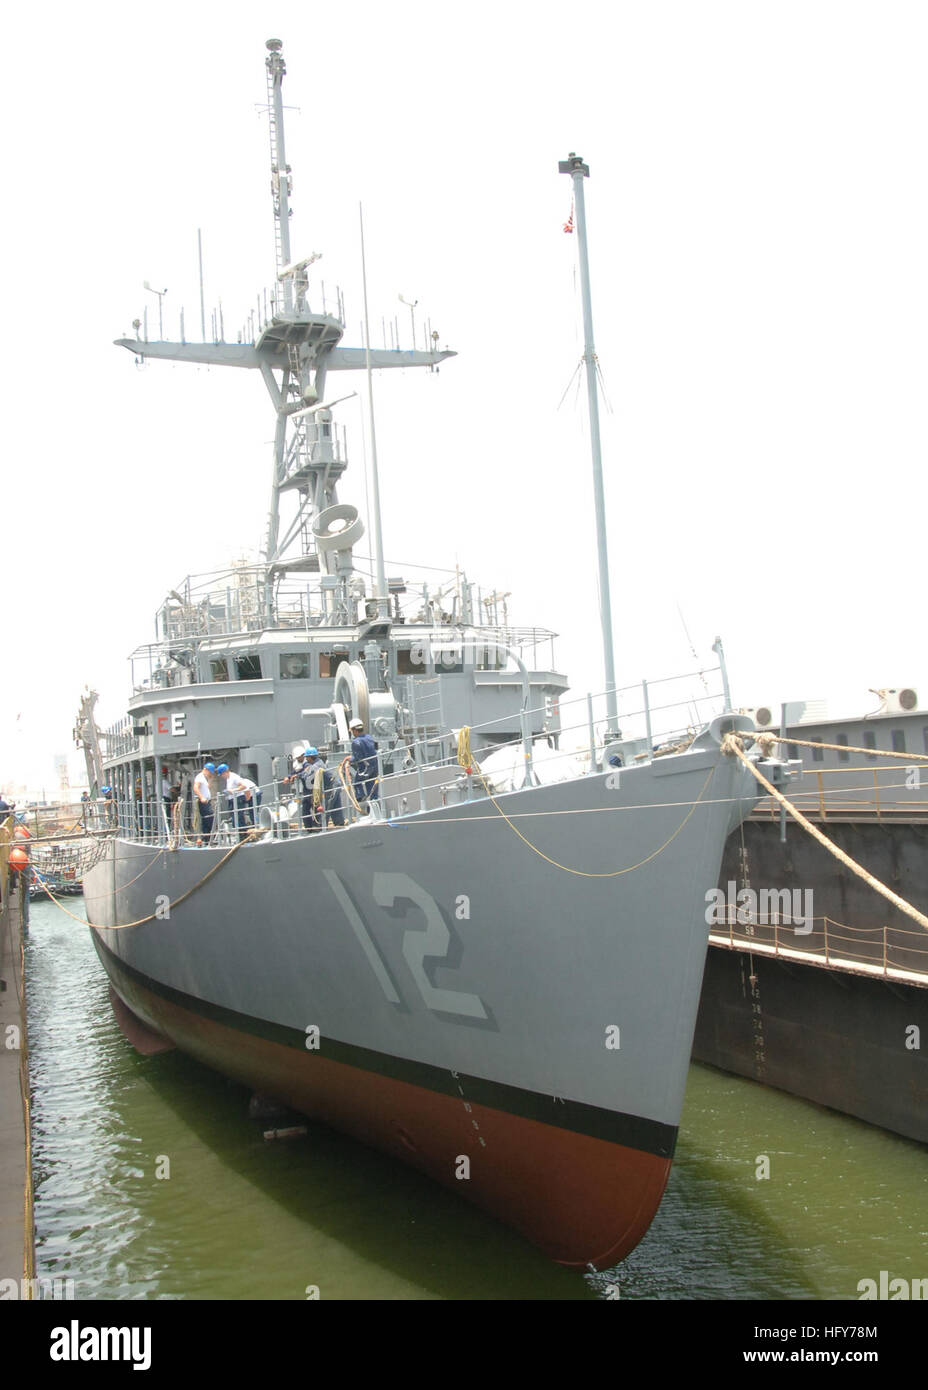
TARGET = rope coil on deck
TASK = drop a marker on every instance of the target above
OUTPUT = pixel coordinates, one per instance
(344, 776)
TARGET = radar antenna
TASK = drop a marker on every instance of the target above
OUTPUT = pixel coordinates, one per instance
(294, 347)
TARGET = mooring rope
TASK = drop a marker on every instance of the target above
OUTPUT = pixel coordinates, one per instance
(160, 914)
(766, 734)
(466, 760)
(732, 744)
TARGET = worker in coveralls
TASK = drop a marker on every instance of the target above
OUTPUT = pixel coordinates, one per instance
(364, 763)
(305, 775)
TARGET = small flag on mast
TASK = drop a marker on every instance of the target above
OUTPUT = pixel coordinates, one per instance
(569, 224)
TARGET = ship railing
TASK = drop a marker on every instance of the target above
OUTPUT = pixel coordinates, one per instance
(890, 794)
(653, 719)
(135, 818)
(270, 304)
(791, 932)
(246, 597)
(303, 605)
(168, 664)
(278, 808)
(57, 821)
(165, 822)
(99, 816)
(121, 739)
(558, 739)
(534, 644)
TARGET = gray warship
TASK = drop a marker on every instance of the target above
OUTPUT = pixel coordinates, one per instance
(489, 969)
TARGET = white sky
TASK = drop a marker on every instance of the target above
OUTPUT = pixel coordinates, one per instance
(758, 221)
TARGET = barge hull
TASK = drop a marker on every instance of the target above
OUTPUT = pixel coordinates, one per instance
(845, 1030)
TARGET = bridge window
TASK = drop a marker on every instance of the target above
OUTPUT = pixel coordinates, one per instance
(448, 660)
(843, 755)
(295, 666)
(898, 738)
(218, 669)
(410, 661)
(818, 754)
(870, 742)
(329, 662)
(248, 667)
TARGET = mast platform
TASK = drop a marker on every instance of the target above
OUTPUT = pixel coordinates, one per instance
(316, 331)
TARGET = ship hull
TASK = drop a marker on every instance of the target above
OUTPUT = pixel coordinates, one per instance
(577, 1186)
(514, 1019)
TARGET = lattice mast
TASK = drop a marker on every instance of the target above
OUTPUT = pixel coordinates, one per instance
(294, 348)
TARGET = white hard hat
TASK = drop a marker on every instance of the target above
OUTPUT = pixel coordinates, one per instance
(356, 724)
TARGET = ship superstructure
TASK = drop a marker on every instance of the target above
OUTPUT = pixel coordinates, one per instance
(252, 660)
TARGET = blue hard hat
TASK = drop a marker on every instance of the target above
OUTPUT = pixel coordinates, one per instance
(311, 752)
(223, 767)
(104, 790)
(210, 767)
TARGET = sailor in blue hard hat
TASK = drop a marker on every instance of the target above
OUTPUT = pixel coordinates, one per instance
(305, 775)
(244, 795)
(204, 785)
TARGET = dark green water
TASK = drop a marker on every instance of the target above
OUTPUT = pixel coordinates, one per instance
(241, 1218)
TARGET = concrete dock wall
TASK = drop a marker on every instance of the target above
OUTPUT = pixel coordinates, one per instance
(17, 1240)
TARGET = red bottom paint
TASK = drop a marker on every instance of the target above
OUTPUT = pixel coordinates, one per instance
(584, 1201)
(146, 1042)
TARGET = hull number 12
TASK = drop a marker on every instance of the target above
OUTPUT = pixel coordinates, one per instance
(390, 889)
